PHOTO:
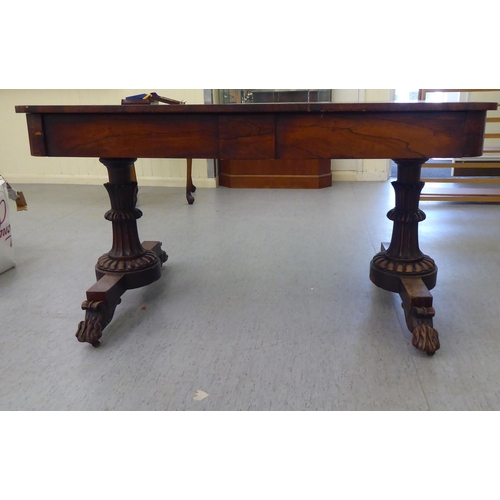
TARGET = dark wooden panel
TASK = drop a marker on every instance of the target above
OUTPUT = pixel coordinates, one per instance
(247, 137)
(370, 135)
(475, 172)
(140, 136)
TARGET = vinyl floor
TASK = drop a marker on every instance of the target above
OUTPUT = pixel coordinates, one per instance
(264, 304)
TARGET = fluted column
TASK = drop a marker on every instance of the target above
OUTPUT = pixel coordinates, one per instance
(127, 253)
(403, 257)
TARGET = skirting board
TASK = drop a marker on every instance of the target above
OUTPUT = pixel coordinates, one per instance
(354, 176)
(337, 176)
(99, 180)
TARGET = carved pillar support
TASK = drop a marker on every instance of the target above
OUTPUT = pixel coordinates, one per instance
(401, 267)
(403, 257)
(129, 264)
(127, 253)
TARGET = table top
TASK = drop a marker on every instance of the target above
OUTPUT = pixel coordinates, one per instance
(347, 107)
(260, 131)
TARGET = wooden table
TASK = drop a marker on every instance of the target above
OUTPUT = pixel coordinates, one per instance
(408, 133)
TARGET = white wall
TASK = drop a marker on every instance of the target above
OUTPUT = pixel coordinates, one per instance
(18, 166)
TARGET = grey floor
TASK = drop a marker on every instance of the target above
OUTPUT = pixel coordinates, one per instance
(264, 304)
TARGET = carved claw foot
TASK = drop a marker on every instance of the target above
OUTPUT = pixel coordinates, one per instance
(190, 198)
(89, 330)
(419, 322)
(425, 338)
(98, 315)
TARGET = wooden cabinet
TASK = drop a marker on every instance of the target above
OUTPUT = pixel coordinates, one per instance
(290, 174)
(286, 174)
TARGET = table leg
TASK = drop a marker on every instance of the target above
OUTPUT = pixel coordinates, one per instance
(190, 187)
(129, 264)
(401, 267)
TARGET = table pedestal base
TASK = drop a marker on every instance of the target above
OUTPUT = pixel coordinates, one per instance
(129, 264)
(401, 267)
(104, 296)
(416, 302)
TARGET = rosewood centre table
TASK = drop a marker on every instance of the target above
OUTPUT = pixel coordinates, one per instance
(408, 133)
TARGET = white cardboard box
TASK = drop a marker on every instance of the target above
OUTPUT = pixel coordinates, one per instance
(6, 248)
